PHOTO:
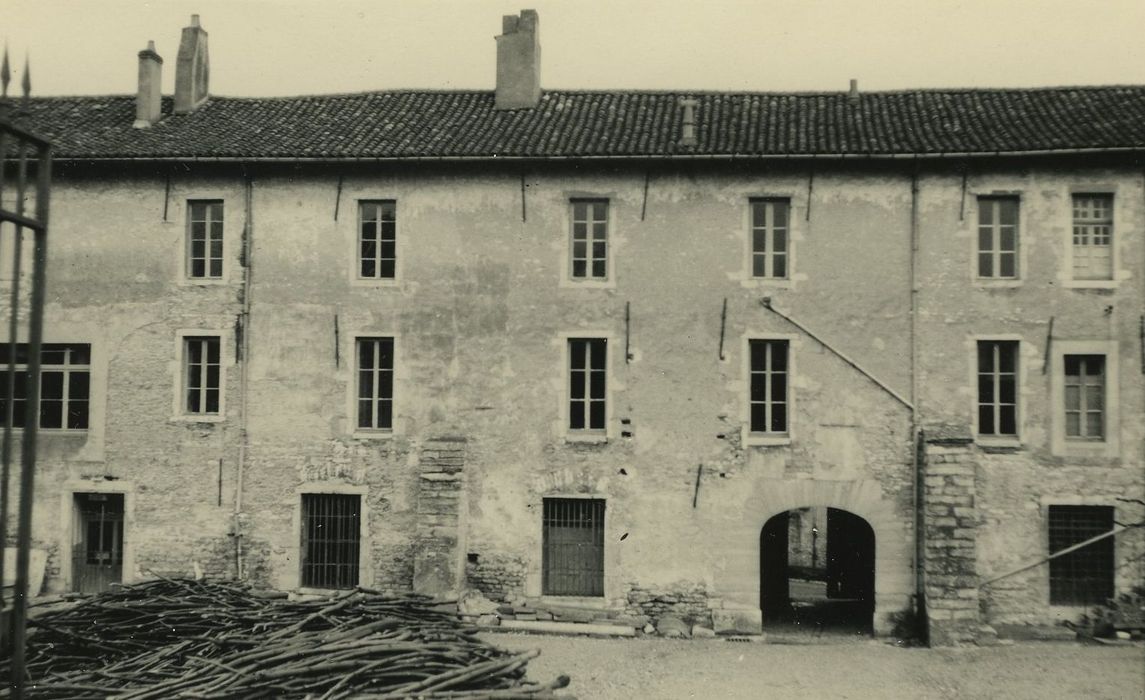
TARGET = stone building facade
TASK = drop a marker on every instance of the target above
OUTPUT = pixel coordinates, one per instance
(387, 316)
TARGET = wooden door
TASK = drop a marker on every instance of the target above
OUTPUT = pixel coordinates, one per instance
(97, 555)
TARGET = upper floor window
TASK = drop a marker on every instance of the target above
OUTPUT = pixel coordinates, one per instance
(769, 238)
(377, 241)
(769, 373)
(589, 256)
(588, 362)
(65, 381)
(375, 383)
(202, 375)
(205, 240)
(1093, 236)
(1084, 576)
(1085, 397)
(998, 387)
(998, 237)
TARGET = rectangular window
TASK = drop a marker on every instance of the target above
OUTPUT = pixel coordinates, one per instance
(998, 237)
(573, 547)
(331, 540)
(377, 242)
(202, 375)
(1084, 576)
(65, 382)
(1093, 236)
(998, 387)
(1085, 397)
(769, 249)
(205, 240)
(589, 239)
(769, 386)
(375, 383)
(588, 362)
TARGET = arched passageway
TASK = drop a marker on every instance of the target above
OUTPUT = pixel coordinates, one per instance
(817, 570)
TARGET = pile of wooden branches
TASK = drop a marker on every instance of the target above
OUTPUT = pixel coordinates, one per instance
(199, 639)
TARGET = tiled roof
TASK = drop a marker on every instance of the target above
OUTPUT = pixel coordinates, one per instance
(464, 124)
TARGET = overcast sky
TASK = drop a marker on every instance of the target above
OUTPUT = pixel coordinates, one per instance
(291, 47)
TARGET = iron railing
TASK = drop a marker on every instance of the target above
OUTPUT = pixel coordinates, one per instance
(25, 174)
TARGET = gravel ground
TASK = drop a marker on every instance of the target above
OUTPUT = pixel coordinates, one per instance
(710, 669)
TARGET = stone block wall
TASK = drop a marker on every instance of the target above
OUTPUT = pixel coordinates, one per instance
(499, 578)
(688, 601)
(440, 537)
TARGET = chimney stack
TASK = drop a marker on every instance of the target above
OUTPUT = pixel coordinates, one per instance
(854, 94)
(192, 70)
(688, 135)
(519, 62)
(148, 97)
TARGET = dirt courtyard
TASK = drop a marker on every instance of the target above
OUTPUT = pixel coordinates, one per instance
(709, 669)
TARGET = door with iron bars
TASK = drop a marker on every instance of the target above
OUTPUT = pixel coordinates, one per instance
(97, 549)
(573, 543)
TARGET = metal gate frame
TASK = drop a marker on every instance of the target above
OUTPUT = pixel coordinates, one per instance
(19, 150)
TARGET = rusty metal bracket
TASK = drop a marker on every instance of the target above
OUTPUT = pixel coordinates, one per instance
(338, 198)
(723, 327)
(1049, 345)
(644, 204)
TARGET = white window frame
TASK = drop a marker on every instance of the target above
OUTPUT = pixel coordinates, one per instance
(67, 369)
(1109, 445)
(348, 372)
(995, 251)
(587, 435)
(612, 243)
(355, 379)
(769, 235)
(1020, 389)
(768, 438)
(365, 562)
(1116, 274)
(795, 230)
(184, 260)
(226, 359)
(357, 253)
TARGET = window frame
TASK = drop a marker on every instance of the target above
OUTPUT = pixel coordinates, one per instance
(588, 432)
(1088, 361)
(188, 239)
(1058, 562)
(750, 437)
(67, 369)
(226, 359)
(996, 251)
(355, 385)
(1109, 445)
(1072, 246)
(599, 534)
(565, 382)
(608, 241)
(365, 561)
(975, 341)
(769, 236)
(358, 241)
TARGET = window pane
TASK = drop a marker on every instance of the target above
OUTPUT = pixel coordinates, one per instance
(51, 385)
(216, 268)
(1094, 401)
(598, 249)
(387, 269)
(365, 354)
(369, 268)
(985, 239)
(365, 384)
(779, 418)
(51, 414)
(757, 214)
(576, 384)
(213, 376)
(77, 415)
(1009, 238)
(780, 265)
(1093, 425)
(389, 249)
(759, 266)
(985, 357)
(1008, 212)
(598, 354)
(577, 350)
(1007, 416)
(758, 355)
(985, 265)
(780, 241)
(580, 231)
(759, 240)
(1072, 398)
(779, 387)
(193, 402)
(1073, 365)
(600, 211)
(1006, 390)
(385, 385)
(580, 211)
(385, 414)
(598, 269)
(1007, 356)
(1006, 265)
(758, 418)
(212, 401)
(596, 415)
(986, 388)
(576, 415)
(198, 268)
(779, 355)
(1072, 424)
(213, 351)
(365, 414)
(779, 214)
(986, 419)
(599, 231)
(597, 385)
(78, 385)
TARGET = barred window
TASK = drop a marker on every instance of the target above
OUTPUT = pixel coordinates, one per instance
(377, 242)
(998, 387)
(331, 540)
(573, 547)
(205, 240)
(1084, 576)
(202, 375)
(589, 239)
(769, 386)
(375, 383)
(769, 240)
(1093, 236)
(65, 385)
(998, 237)
(1085, 397)
(588, 362)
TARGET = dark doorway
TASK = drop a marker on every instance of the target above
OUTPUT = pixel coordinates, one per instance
(817, 571)
(573, 547)
(331, 540)
(97, 550)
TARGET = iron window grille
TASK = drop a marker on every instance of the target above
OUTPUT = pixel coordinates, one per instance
(202, 374)
(375, 383)
(769, 238)
(1085, 576)
(769, 398)
(1085, 397)
(377, 241)
(588, 362)
(331, 540)
(573, 547)
(998, 237)
(65, 385)
(205, 240)
(998, 387)
(1093, 236)
(589, 239)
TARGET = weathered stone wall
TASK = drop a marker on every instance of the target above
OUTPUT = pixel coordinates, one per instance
(689, 602)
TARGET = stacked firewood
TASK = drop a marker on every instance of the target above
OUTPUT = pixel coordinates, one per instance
(197, 639)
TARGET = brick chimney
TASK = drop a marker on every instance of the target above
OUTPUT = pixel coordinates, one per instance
(192, 70)
(519, 62)
(148, 98)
